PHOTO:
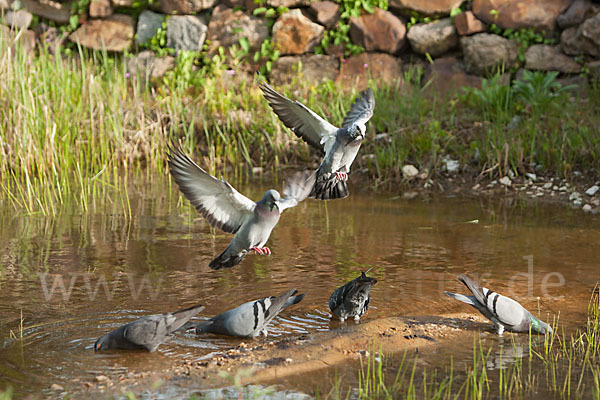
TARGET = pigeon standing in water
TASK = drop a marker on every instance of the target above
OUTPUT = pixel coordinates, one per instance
(227, 209)
(352, 299)
(146, 332)
(504, 312)
(250, 319)
(340, 145)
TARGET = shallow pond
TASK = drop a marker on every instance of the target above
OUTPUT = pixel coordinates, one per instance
(74, 277)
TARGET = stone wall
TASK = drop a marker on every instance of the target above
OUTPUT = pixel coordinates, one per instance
(455, 51)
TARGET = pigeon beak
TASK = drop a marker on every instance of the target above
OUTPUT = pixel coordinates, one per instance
(275, 205)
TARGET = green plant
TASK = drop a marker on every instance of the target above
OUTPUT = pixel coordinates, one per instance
(525, 37)
(417, 18)
(158, 42)
(539, 91)
(266, 55)
(78, 8)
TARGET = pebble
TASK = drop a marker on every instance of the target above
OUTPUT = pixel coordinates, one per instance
(592, 190)
(562, 189)
(554, 187)
(587, 208)
(451, 165)
(505, 180)
(577, 202)
(101, 378)
(547, 185)
(409, 171)
(56, 387)
(539, 194)
(574, 196)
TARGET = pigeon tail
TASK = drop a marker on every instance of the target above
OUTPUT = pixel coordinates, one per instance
(474, 287)
(329, 189)
(293, 300)
(225, 260)
(470, 300)
(183, 316)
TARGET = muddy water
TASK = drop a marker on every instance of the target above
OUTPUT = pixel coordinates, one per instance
(74, 277)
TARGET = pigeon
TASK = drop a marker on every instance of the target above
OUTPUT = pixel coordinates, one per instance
(227, 209)
(340, 145)
(146, 332)
(352, 299)
(250, 319)
(504, 312)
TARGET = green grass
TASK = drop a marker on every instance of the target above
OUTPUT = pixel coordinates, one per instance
(76, 125)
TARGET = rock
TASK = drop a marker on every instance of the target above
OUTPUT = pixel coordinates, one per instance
(544, 57)
(101, 378)
(409, 171)
(57, 11)
(51, 37)
(450, 165)
(592, 190)
(466, 23)
(574, 196)
(122, 3)
(575, 14)
(326, 13)
(100, 8)
(380, 31)
(25, 39)
(587, 208)
(314, 68)
(293, 33)
(148, 24)
(531, 176)
(114, 33)
(20, 19)
(288, 3)
(547, 185)
(186, 7)
(484, 52)
(149, 66)
(186, 32)
(447, 76)
(434, 38)
(357, 69)
(505, 181)
(227, 27)
(594, 68)
(573, 43)
(426, 7)
(56, 387)
(517, 14)
(591, 29)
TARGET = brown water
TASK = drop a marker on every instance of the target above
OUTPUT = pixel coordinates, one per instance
(115, 269)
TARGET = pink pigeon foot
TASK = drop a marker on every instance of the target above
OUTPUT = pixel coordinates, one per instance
(342, 176)
(261, 251)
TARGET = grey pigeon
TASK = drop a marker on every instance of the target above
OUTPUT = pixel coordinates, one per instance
(227, 209)
(250, 319)
(340, 145)
(352, 299)
(146, 332)
(504, 312)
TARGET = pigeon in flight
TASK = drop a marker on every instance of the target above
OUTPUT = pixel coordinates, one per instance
(250, 319)
(340, 145)
(352, 299)
(504, 312)
(227, 209)
(146, 332)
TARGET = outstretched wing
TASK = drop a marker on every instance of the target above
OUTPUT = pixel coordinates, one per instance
(304, 122)
(216, 200)
(361, 110)
(297, 189)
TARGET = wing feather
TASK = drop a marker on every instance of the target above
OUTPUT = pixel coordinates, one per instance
(361, 110)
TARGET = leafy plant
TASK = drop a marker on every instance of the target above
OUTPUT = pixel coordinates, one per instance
(417, 18)
(525, 37)
(539, 91)
(267, 53)
(158, 42)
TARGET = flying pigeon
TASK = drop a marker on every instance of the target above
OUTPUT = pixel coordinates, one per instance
(352, 299)
(250, 319)
(340, 145)
(227, 209)
(504, 312)
(146, 332)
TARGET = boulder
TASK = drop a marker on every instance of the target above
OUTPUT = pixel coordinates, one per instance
(53, 10)
(185, 6)
(544, 57)
(426, 7)
(466, 23)
(575, 14)
(100, 8)
(434, 38)
(248, 5)
(484, 52)
(227, 27)
(573, 43)
(148, 24)
(326, 13)
(25, 40)
(288, 3)
(147, 65)
(115, 33)
(590, 29)
(122, 3)
(380, 31)
(186, 32)
(357, 70)
(20, 19)
(517, 14)
(293, 33)
(314, 68)
(446, 76)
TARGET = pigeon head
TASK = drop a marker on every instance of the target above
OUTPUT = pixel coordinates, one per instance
(105, 342)
(357, 132)
(366, 281)
(538, 326)
(270, 200)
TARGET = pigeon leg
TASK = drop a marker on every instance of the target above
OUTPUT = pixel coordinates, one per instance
(258, 250)
(264, 332)
(357, 318)
(267, 250)
(342, 176)
(342, 319)
(500, 329)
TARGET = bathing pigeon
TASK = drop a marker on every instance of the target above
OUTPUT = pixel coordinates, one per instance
(352, 299)
(250, 319)
(146, 332)
(504, 312)
(225, 208)
(340, 145)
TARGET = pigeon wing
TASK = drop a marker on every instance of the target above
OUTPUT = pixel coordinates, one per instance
(361, 110)
(304, 122)
(148, 331)
(216, 200)
(506, 310)
(297, 189)
(277, 304)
